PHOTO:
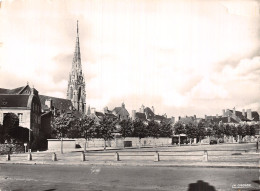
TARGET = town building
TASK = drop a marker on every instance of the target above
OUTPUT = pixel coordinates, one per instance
(120, 112)
(25, 103)
(147, 114)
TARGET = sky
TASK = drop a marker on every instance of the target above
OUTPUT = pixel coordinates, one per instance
(182, 57)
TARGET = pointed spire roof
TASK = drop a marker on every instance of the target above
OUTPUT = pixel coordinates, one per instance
(77, 59)
(88, 112)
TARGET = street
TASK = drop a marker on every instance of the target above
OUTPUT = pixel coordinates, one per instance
(122, 178)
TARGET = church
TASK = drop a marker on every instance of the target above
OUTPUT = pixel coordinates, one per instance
(76, 86)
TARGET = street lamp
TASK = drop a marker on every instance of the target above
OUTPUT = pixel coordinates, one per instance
(25, 145)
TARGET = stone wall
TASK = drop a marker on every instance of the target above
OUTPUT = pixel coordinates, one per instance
(11, 148)
(55, 144)
(119, 142)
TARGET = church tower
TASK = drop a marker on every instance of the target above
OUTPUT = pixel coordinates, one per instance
(76, 85)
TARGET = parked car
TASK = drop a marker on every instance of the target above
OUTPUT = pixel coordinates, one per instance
(212, 142)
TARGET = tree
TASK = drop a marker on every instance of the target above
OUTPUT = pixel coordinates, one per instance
(241, 130)
(191, 131)
(139, 130)
(60, 126)
(234, 131)
(126, 128)
(153, 129)
(179, 128)
(87, 128)
(165, 129)
(106, 128)
(201, 131)
(219, 130)
(247, 129)
(228, 130)
(74, 130)
(253, 129)
(10, 123)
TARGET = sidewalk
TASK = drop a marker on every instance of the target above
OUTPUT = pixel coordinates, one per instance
(246, 160)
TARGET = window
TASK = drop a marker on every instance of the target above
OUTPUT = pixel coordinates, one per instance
(20, 116)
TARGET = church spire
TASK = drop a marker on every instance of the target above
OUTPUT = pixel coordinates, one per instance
(76, 85)
(77, 58)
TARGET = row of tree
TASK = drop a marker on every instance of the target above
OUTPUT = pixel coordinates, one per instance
(216, 130)
(65, 126)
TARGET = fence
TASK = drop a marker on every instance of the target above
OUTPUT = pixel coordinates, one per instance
(198, 155)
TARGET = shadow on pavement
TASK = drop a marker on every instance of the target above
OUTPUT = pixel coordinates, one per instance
(201, 186)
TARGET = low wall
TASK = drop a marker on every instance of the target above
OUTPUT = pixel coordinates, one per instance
(93, 143)
(55, 144)
(119, 142)
(11, 148)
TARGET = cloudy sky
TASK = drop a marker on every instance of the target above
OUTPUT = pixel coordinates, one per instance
(182, 57)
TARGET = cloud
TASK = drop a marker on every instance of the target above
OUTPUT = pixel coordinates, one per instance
(180, 56)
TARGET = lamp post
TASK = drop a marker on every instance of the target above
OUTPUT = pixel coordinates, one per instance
(25, 145)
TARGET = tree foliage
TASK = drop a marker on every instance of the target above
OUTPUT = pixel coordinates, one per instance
(11, 131)
(139, 129)
(153, 129)
(106, 128)
(165, 129)
(60, 126)
(126, 128)
(87, 127)
(179, 128)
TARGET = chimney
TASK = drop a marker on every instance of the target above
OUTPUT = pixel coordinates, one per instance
(153, 109)
(224, 113)
(88, 112)
(195, 116)
(205, 117)
(229, 119)
(234, 111)
(249, 114)
(133, 114)
(216, 115)
(173, 119)
(105, 110)
(243, 112)
(179, 118)
(142, 109)
(123, 105)
(93, 110)
(49, 103)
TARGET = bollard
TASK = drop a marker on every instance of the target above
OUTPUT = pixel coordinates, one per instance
(116, 156)
(205, 156)
(156, 157)
(54, 157)
(83, 158)
(8, 157)
(29, 157)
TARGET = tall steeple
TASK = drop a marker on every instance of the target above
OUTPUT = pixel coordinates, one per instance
(76, 84)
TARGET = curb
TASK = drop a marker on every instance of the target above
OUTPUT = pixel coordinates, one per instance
(85, 163)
